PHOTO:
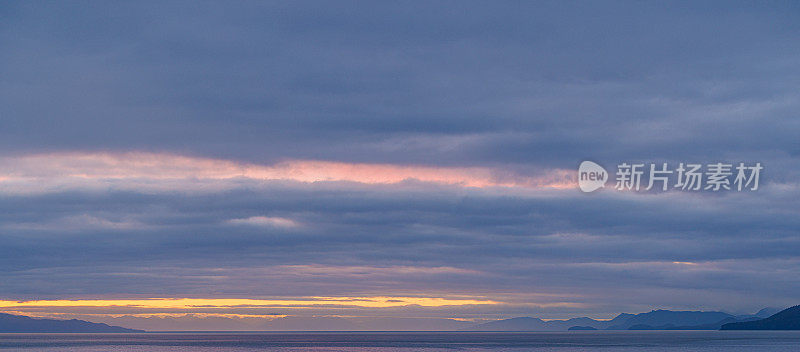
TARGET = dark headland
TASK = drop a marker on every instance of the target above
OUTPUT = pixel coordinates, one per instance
(21, 324)
(788, 319)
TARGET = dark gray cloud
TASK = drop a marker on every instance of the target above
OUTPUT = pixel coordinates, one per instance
(516, 86)
(356, 240)
(448, 83)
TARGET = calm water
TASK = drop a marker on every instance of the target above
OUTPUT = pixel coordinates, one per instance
(397, 342)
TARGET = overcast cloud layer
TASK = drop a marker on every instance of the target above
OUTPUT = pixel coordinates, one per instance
(356, 149)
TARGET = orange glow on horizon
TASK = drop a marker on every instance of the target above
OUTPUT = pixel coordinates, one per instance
(193, 303)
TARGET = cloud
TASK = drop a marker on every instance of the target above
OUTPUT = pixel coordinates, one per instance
(529, 85)
(216, 303)
(409, 152)
(546, 253)
(265, 221)
(162, 172)
(82, 222)
(238, 322)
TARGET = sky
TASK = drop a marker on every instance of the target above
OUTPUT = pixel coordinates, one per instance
(172, 165)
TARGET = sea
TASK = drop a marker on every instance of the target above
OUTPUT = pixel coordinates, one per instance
(608, 341)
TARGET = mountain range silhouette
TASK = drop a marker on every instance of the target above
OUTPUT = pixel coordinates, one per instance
(788, 319)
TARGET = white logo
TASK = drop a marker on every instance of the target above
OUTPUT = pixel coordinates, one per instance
(714, 177)
(591, 176)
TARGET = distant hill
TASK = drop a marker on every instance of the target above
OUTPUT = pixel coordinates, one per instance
(712, 326)
(579, 328)
(535, 324)
(22, 324)
(788, 319)
(515, 324)
(768, 312)
(670, 320)
(653, 320)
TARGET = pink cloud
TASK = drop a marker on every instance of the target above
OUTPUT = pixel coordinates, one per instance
(146, 167)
